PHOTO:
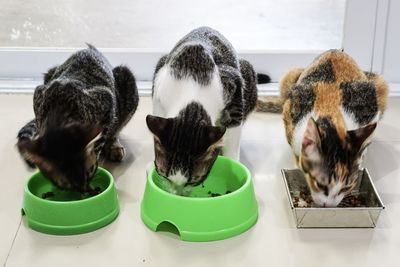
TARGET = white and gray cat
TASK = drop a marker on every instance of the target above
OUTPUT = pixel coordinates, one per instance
(202, 94)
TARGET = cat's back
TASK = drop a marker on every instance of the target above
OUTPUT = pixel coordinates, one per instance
(212, 41)
(190, 73)
(172, 94)
(333, 87)
(332, 67)
(88, 66)
(338, 88)
(65, 91)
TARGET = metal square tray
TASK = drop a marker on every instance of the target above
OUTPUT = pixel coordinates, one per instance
(338, 217)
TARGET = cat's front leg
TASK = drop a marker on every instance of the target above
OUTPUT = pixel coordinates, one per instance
(232, 138)
(113, 150)
(29, 131)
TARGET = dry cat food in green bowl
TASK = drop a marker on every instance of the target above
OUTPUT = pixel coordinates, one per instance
(51, 210)
(221, 207)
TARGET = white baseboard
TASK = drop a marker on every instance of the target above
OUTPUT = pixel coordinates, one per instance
(22, 86)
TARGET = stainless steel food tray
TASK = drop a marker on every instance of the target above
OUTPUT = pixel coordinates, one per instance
(338, 217)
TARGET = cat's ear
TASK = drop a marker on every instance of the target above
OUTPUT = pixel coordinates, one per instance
(214, 134)
(360, 136)
(92, 134)
(157, 125)
(311, 142)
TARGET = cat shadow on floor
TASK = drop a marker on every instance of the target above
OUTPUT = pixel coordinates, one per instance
(256, 155)
(381, 159)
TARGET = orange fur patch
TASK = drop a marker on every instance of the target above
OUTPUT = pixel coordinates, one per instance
(288, 122)
(345, 68)
(287, 82)
(327, 103)
(342, 170)
(382, 89)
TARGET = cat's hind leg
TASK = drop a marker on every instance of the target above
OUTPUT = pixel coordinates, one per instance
(249, 88)
(275, 104)
(232, 142)
(29, 131)
(382, 89)
(127, 100)
(287, 82)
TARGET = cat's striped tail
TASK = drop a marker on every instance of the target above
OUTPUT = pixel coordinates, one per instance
(271, 104)
(263, 78)
(29, 131)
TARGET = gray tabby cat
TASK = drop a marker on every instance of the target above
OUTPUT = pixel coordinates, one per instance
(79, 111)
(202, 94)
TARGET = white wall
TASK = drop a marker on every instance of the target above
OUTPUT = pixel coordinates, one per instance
(391, 63)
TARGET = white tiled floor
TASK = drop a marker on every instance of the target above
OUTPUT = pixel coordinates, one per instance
(273, 241)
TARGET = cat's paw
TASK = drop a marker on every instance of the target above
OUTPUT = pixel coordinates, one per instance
(225, 118)
(114, 152)
(230, 118)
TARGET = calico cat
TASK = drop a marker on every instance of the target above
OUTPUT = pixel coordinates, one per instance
(202, 94)
(330, 110)
(79, 111)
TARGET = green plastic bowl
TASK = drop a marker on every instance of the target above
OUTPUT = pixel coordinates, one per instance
(66, 213)
(199, 216)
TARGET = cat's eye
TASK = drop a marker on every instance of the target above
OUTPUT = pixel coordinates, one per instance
(323, 188)
(344, 190)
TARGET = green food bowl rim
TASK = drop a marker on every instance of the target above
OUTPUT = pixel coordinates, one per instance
(109, 187)
(205, 198)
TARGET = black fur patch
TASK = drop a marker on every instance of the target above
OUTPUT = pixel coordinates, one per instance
(28, 131)
(193, 60)
(250, 88)
(185, 130)
(323, 73)
(370, 75)
(127, 96)
(332, 148)
(186, 140)
(263, 78)
(359, 99)
(302, 98)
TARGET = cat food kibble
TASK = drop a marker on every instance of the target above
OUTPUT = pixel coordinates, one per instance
(47, 195)
(305, 200)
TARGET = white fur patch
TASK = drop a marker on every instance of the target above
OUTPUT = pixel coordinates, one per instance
(332, 200)
(298, 133)
(178, 179)
(349, 120)
(377, 117)
(232, 142)
(89, 147)
(172, 95)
